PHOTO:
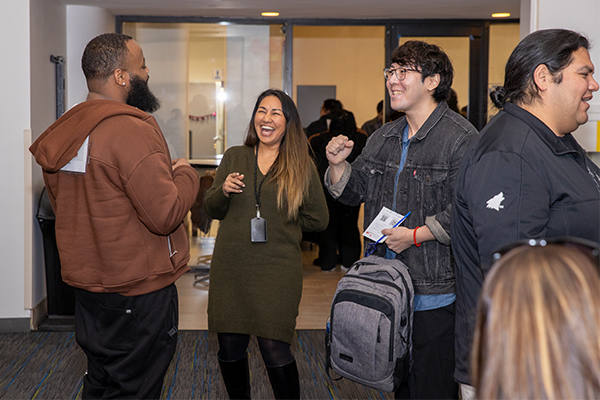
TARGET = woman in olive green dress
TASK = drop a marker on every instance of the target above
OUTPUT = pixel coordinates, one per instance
(266, 193)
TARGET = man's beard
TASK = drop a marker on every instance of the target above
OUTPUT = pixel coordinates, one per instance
(140, 95)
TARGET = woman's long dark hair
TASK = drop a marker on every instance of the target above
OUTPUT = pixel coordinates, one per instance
(291, 170)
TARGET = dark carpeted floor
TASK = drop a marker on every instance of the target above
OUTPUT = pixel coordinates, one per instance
(50, 365)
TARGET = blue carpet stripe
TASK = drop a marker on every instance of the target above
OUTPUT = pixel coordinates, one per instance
(28, 359)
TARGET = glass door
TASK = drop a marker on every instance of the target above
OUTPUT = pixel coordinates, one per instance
(208, 76)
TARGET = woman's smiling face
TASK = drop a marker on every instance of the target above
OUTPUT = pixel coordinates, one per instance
(269, 121)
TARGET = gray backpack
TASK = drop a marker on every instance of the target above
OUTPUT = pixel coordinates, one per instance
(369, 337)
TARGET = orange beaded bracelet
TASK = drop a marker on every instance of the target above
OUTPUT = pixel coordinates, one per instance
(415, 237)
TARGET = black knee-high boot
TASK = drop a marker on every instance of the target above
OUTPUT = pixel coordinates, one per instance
(285, 381)
(236, 376)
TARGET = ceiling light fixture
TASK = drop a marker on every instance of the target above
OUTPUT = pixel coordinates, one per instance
(501, 15)
(269, 14)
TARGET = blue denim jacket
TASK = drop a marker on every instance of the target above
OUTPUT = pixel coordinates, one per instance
(425, 187)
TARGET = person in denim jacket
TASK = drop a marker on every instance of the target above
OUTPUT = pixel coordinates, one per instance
(410, 165)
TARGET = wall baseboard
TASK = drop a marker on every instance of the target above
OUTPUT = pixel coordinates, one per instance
(15, 325)
(39, 313)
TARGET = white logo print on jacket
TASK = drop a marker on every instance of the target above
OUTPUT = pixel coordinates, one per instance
(494, 202)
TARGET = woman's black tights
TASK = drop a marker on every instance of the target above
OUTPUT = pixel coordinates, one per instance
(233, 346)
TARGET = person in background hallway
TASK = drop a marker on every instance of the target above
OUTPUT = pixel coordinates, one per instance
(453, 101)
(526, 176)
(119, 222)
(256, 280)
(373, 124)
(411, 165)
(396, 115)
(342, 232)
(322, 124)
(537, 334)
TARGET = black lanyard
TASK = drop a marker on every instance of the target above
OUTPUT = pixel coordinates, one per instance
(257, 192)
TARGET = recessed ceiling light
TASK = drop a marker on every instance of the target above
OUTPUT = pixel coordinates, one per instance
(500, 15)
(269, 14)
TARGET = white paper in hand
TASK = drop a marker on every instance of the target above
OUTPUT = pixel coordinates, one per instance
(386, 219)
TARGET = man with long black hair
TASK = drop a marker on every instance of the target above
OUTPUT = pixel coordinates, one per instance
(526, 176)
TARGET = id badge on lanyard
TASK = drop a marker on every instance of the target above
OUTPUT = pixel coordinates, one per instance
(258, 228)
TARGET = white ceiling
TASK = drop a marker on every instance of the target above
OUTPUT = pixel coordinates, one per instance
(327, 9)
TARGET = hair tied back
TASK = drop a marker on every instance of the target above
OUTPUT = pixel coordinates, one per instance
(498, 96)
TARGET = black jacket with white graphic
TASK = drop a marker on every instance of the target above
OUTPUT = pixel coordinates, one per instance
(518, 181)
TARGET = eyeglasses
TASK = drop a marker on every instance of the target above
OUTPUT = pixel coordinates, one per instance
(399, 72)
(587, 247)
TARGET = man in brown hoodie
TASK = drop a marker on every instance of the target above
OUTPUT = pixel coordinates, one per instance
(119, 202)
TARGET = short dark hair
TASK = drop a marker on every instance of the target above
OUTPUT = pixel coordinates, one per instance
(104, 54)
(342, 123)
(453, 100)
(332, 105)
(552, 47)
(429, 59)
(380, 106)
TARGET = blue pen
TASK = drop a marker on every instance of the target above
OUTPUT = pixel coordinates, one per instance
(397, 223)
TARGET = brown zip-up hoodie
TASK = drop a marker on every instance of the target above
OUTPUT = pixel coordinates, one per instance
(118, 225)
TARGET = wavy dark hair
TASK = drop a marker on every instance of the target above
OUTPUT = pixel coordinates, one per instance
(104, 54)
(430, 59)
(291, 170)
(553, 48)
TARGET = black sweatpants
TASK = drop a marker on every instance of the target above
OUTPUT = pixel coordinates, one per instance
(432, 374)
(129, 342)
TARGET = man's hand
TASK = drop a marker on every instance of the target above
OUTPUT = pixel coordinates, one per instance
(399, 238)
(338, 149)
(178, 162)
(233, 183)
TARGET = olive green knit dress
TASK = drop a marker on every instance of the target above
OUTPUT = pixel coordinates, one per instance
(255, 288)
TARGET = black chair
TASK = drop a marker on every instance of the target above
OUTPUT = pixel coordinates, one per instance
(202, 222)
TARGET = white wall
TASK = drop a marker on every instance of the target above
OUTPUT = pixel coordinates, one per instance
(15, 117)
(83, 24)
(48, 37)
(32, 31)
(584, 17)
